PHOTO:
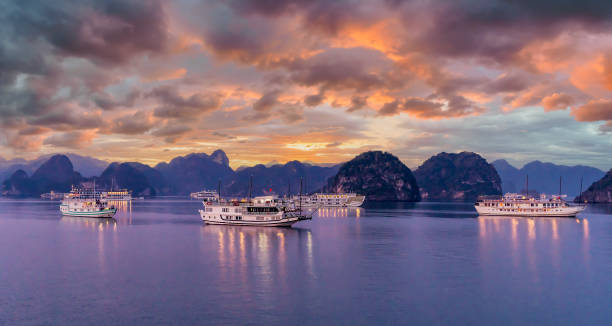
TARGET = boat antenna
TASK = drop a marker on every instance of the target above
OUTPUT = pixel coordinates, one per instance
(527, 185)
(219, 189)
(301, 179)
(289, 188)
(559, 187)
(250, 187)
(580, 196)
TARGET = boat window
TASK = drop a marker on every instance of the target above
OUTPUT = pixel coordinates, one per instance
(255, 209)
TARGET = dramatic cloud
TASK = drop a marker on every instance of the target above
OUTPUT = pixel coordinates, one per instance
(157, 78)
(173, 105)
(72, 139)
(595, 110)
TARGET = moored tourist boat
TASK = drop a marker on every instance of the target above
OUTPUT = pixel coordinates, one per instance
(207, 195)
(259, 211)
(117, 195)
(332, 200)
(519, 205)
(85, 208)
(52, 195)
(86, 203)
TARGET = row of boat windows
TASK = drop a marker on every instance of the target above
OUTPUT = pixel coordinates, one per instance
(532, 205)
(249, 209)
(533, 210)
(227, 217)
(239, 218)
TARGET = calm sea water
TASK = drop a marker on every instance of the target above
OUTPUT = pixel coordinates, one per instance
(388, 263)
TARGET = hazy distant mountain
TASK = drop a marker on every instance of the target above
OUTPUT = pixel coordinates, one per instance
(463, 176)
(134, 176)
(278, 177)
(600, 191)
(378, 175)
(194, 172)
(56, 173)
(544, 177)
(85, 165)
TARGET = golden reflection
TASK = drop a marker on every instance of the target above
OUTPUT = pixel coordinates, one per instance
(221, 248)
(515, 223)
(585, 228)
(309, 253)
(242, 248)
(231, 243)
(482, 227)
(555, 229)
(282, 268)
(94, 224)
(338, 212)
(531, 231)
(264, 248)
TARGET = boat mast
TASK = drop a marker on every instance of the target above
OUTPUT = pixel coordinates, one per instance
(301, 179)
(527, 185)
(559, 187)
(580, 196)
(250, 187)
(219, 189)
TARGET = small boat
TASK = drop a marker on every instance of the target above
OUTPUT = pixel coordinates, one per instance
(520, 205)
(259, 211)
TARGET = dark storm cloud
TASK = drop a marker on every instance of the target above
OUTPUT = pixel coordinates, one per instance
(108, 102)
(109, 30)
(64, 118)
(325, 16)
(497, 30)
(174, 105)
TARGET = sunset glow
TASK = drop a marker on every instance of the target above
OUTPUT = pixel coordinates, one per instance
(319, 81)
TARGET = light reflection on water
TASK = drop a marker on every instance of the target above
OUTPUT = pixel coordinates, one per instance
(404, 263)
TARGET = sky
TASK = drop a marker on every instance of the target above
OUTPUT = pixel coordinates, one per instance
(310, 80)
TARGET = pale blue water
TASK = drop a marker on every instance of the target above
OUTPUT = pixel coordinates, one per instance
(388, 263)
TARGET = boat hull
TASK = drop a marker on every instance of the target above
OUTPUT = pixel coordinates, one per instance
(569, 212)
(107, 213)
(283, 222)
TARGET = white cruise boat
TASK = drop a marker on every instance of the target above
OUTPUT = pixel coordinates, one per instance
(331, 200)
(86, 204)
(519, 205)
(260, 211)
(206, 195)
(117, 195)
(53, 195)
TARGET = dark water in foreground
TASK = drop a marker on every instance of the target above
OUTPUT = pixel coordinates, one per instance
(425, 263)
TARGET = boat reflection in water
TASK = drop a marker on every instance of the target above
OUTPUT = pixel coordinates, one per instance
(107, 224)
(260, 257)
(539, 243)
(332, 212)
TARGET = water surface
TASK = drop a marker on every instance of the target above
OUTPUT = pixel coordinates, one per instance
(386, 263)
